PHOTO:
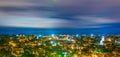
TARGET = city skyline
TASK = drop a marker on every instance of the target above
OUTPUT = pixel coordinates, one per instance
(59, 28)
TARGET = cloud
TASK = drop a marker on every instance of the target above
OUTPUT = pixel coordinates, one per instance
(31, 22)
(14, 3)
(64, 7)
(27, 11)
(59, 13)
(22, 3)
(97, 20)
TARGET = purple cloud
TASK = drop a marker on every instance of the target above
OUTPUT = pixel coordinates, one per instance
(60, 13)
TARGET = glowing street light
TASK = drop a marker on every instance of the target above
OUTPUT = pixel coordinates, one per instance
(52, 35)
(92, 35)
(39, 36)
(64, 53)
(102, 40)
(77, 35)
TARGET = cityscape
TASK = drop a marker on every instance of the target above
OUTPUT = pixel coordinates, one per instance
(21, 45)
(59, 28)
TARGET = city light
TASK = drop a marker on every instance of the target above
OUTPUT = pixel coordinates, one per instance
(77, 35)
(102, 40)
(52, 35)
(59, 28)
(91, 35)
(66, 46)
(39, 36)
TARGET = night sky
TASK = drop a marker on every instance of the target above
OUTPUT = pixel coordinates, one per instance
(60, 16)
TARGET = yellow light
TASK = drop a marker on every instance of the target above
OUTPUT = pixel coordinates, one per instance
(75, 55)
(94, 55)
(109, 39)
(12, 43)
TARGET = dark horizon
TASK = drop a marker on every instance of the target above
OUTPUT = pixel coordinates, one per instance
(48, 31)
